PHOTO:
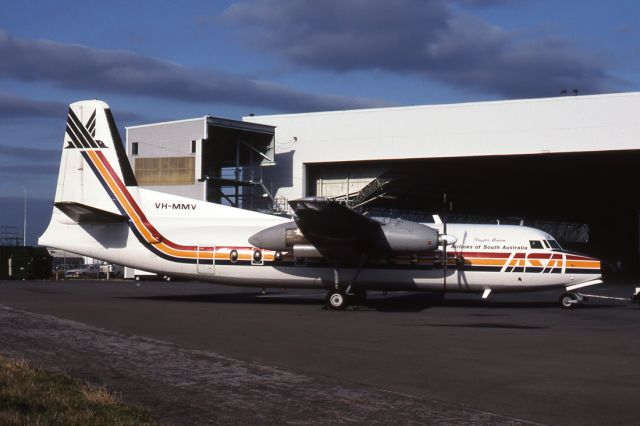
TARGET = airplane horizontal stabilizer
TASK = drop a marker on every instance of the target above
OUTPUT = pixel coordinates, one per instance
(81, 213)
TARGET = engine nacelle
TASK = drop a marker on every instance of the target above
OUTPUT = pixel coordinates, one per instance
(401, 236)
(391, 236)
(279, 238)
(305, 250)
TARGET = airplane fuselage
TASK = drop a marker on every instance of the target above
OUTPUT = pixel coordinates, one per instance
(208, 242)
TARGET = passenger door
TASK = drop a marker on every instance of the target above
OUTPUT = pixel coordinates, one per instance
(206, 260)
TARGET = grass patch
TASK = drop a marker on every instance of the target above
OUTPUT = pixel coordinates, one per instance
(32, 396)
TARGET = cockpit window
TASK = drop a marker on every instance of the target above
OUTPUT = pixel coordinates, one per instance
(535, 244)
(546, 244)
(554, 244)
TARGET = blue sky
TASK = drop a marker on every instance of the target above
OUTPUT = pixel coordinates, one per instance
(170, 60)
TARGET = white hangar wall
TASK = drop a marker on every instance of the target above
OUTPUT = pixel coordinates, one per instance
(198, 157)
(533, 126)
(147, 144)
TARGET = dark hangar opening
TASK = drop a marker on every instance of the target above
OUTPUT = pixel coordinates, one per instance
(593, 188)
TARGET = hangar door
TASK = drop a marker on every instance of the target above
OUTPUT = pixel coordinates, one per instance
(342, 180)
(595, 192)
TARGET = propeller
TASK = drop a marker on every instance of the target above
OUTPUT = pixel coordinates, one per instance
(446, 240)
(445, 260)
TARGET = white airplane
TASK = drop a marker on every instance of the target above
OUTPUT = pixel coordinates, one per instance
(100, 211)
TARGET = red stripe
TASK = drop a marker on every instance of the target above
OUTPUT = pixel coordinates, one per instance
(156, 234)
(573, 257)
(539, 256)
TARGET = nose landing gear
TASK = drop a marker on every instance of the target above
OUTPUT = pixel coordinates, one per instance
(570, 300)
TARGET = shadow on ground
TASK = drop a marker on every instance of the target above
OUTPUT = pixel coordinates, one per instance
(390, 303)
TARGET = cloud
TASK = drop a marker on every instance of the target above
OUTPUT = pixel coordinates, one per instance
(427, 38)
(12, 106)
(486, 3)
(26, 153)
(29, 169)
(15, 106)
(20, 162)
(81, 67)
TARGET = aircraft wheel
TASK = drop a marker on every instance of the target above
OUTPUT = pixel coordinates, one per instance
(336, 300)
(568, 301)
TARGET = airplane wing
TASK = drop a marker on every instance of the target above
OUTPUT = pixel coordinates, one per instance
(81, 213)
(342, 235)
(335, 230)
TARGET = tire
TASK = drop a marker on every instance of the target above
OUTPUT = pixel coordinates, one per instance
(336, 300)
(568, 301)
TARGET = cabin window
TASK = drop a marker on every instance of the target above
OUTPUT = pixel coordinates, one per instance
(134, 148)
(193, 147)
(535, 244)
(554, 245)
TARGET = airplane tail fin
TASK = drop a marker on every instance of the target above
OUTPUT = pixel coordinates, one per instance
(93, 158)
(93, 168)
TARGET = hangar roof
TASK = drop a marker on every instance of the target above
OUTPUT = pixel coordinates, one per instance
(531, 126)
(173, 138)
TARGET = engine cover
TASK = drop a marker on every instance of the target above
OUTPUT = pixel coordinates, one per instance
(401, 236)
(386, 237)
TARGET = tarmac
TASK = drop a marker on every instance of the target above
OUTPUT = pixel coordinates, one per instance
(197, 353)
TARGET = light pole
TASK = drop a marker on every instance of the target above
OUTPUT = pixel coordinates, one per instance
(24, 225)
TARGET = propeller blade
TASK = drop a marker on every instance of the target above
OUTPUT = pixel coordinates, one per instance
(445, 263)
(445, 260)
(444, 214)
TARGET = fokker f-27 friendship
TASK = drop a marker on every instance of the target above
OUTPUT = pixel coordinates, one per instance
(100, 211)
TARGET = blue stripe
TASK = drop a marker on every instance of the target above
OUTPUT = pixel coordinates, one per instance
(132, 226)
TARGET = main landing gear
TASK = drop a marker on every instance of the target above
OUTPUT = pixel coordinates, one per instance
(339, 297)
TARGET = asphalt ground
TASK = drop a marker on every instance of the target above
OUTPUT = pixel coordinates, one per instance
(202, 353)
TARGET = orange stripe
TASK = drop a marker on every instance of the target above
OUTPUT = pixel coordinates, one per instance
(486, 262)
(137, 220)
(121, 198)
(583, 264)
(134, 216)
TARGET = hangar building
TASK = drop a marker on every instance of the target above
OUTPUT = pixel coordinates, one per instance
(569, 161)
